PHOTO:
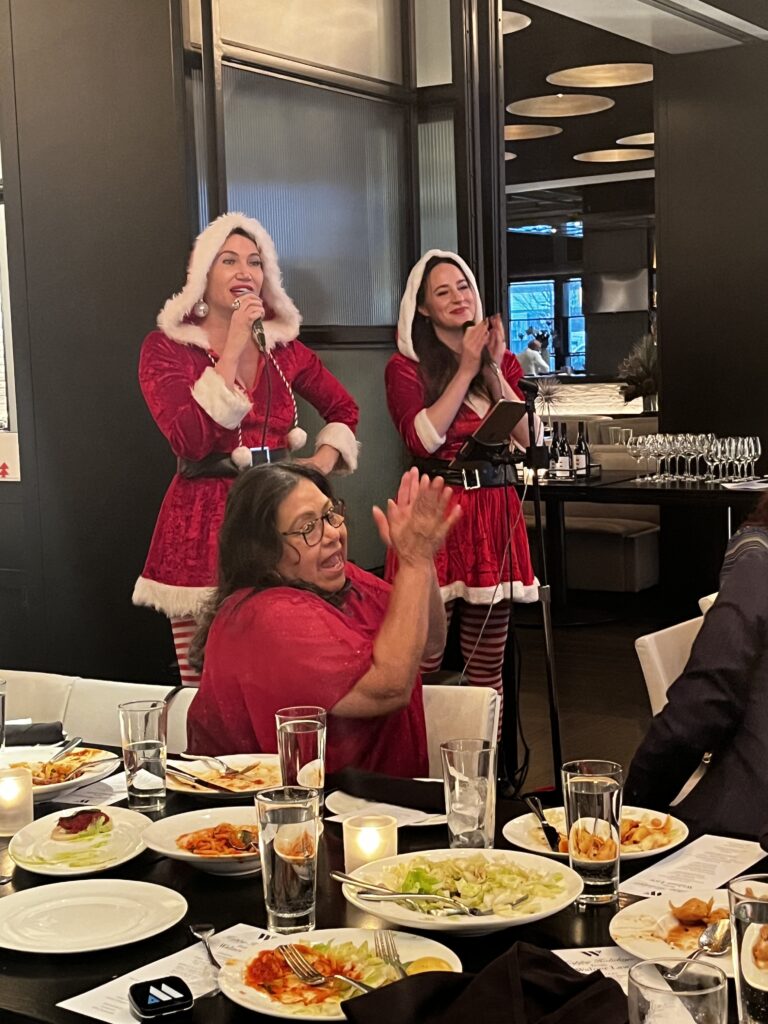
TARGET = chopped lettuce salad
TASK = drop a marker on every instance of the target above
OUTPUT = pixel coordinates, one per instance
(478, 881)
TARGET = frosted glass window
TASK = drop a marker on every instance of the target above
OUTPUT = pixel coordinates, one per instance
(437, 186)
(326, 173)
(433, 43)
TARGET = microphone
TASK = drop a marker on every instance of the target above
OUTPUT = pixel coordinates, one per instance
(257, 329)
(528, 387)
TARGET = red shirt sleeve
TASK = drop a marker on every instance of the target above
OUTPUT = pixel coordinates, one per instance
(319, 386)
(405, 399)
(512, 371)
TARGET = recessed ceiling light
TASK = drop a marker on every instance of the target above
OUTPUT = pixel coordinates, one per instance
(530, 131)
(603, 76)
(510, 156)
(560, 105)
(512, 22)
(643, 139)
(613, 156)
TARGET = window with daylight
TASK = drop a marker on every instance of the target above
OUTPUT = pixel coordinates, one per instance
(551, 307)
(531, 311)
(575, 330)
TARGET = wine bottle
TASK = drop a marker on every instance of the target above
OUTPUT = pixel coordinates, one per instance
(554, 452)
(565, 455)
(581, 454)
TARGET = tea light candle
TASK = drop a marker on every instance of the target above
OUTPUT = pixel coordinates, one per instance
(368, 837)
(16, 808)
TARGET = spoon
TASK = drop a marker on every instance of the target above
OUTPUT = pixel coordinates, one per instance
(204, 932)
(715, 940)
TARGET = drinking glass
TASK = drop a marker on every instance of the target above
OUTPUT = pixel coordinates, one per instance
(3, 690)
(614, 435)
(625, 435)
(698, 995)
(756, 453)
(469, 778)
(301, 745)
(144, 728)
(635, 449)
(288, 836)
(593, 791)
(751, 980)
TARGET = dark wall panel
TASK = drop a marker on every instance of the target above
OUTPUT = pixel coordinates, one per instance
(99, 108)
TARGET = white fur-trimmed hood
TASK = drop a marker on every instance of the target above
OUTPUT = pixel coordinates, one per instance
(408, 302)
(282, 327)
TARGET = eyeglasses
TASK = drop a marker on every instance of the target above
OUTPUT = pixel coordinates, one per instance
(312, 532)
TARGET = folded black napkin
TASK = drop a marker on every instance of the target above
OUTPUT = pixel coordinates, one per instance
(525, 985)
(421, 796)
(36, 732)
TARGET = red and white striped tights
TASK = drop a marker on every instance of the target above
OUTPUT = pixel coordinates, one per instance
(183, 630)
(484, 668)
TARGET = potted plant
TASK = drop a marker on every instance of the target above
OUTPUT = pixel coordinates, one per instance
(640, 373)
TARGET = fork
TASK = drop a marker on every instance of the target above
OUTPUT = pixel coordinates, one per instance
(90, 764)
(219, 765)
(305, 972)
(381, 894)
(384, 944)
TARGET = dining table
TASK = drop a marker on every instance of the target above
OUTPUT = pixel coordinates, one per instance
(32, 984)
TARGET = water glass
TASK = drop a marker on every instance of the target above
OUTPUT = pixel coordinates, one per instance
(592, 791)
(301, 734)
(469, 778)
(614, 435)
(751, 998)
(699, 995)
(288, 837)
(3, 692)
(144, 728)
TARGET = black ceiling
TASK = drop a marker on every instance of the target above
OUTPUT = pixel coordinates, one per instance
(552, 43)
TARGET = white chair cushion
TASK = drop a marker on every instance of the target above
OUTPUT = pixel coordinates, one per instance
(41, 696)
(663, 657)
(705, 603)
(92, 709)
(458, 712)
(177, 720)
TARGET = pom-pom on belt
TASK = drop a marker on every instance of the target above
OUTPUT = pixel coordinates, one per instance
(220, 463)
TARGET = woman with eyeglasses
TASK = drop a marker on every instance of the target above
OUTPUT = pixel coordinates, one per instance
(294, 623)
(219, 377)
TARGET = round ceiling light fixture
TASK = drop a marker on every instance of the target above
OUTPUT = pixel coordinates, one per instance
(613, 156)
(560, 105)
(643, 139)
(510, 156)
(512, 22)
(530, 131)
(602, 76)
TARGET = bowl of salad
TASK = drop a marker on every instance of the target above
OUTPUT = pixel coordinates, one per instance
(517, 888)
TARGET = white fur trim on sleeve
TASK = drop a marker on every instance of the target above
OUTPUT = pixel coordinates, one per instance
(340, 437)
(426, 433)
(225, 407)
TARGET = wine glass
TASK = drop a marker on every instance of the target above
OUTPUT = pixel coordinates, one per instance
(635, 449)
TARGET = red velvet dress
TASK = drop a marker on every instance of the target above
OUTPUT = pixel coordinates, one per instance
(183, 553)
(472, 561)
(284, 647)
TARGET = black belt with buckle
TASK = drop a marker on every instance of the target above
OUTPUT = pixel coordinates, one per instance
(220, 463)
(471, 475)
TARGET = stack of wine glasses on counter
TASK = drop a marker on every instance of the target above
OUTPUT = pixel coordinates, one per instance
(702, 458)
(566, 462)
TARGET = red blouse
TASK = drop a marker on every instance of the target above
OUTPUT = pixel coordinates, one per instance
(284, 647)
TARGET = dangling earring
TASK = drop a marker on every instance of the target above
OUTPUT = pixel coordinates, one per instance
(200, 309)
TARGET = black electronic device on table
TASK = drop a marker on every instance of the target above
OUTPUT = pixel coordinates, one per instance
(162, 997)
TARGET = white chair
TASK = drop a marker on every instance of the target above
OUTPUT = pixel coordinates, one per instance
(705, 603)
(663, 657)
(92, 708)
(177, 719)
(41, 696)
(456, 712)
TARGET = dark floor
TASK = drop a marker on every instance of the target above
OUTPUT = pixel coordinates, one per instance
(604, 709)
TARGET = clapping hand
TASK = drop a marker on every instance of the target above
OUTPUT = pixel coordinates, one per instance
(417, 522)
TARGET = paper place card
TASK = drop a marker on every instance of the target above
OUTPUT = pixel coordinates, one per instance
(107, 791)
(403, 815)
(706, 863)
(612, 961)
(110, 1002)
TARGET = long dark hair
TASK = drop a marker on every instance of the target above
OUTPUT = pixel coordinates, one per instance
(437, 362)
(759, 516)
(250, 544)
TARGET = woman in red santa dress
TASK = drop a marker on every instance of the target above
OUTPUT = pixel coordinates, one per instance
(219, 377)
(439, 386)
(294, 623)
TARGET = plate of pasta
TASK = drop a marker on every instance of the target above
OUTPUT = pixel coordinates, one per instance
(254, 772)
(644, 833)
(221, 840)
(79, 767)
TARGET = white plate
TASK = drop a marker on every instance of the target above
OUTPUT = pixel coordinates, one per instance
(340, 802)
(161, 836)
(532, 910)
(33, 849)
(13, 755)
(86, 915)
(410, 947)
(234, 761)
(641, 928)
(526, 833)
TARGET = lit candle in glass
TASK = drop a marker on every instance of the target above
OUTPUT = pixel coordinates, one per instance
(368, 837)
(16, 808)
